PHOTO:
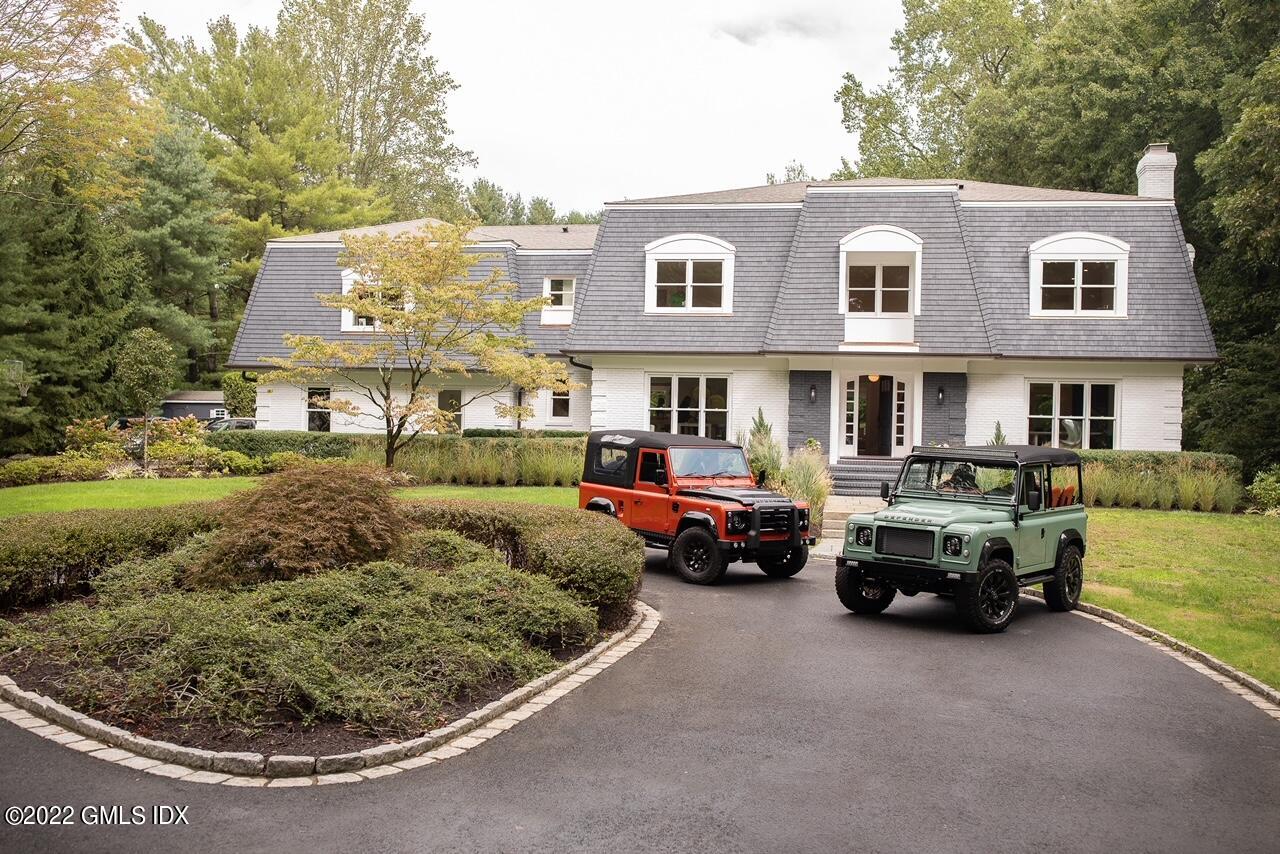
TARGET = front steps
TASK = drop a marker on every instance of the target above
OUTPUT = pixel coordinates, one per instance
(834, 514)
(861, 476)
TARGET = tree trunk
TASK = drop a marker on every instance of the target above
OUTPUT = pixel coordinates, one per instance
(146, 422)
(391, 448)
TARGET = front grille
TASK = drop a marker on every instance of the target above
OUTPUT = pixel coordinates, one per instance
(904, 542)
(775, 520)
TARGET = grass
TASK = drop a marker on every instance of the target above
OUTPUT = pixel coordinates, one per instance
(53, 497)
(1210, 580)
(123, 494)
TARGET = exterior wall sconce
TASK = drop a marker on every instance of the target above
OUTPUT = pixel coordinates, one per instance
(875, 378)
(813, 394)
(942, 395)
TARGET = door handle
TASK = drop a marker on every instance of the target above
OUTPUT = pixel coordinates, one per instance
(1042, 533)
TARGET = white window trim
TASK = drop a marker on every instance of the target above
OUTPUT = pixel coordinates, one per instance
(551, 407)
(688, 247)
(1079, 246)
(874, 244)
(558, 315)
(349, 279)
(702, 399)
(1088, 404)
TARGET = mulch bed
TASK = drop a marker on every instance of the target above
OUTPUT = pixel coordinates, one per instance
(285, 737)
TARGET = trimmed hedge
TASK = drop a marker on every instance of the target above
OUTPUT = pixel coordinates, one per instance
(264, 443)
(591, 555)
(45, 556)
(500, 433)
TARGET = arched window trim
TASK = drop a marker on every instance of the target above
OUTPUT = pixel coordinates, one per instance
(689, 247)
(1080, 247)
(876, 242)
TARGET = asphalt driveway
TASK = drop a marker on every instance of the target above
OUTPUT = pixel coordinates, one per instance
(761, 716)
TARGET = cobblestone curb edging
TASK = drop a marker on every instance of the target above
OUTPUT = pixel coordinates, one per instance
(52, 720)
(1236, 681)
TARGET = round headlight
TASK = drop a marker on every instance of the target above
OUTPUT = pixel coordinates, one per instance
(738, 521)
(864, 537)
(952, 545)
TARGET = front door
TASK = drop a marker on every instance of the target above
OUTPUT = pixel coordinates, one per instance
(875, 417)
(649, 501)
(1032, 541)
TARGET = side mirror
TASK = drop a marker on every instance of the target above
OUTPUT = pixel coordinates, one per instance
(884, 490)
(1033, 500)
(660, 477)
(760, 478)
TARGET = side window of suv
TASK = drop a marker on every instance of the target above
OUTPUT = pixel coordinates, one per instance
(651, 464)
(1033, 481)
(1064, 483)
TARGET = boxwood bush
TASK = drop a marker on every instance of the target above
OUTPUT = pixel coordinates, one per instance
(264, 443)
(589, 554)
(50, 555)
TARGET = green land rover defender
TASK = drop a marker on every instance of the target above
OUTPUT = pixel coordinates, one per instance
(973, 523)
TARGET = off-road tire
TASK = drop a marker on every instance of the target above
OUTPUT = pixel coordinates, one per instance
(787, 565)
(861, 597)
(696, 557)
(1063, 592)
(989, 602)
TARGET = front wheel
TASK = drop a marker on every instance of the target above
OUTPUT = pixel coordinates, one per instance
(861, 596)
(1063, 592)
(988, 603)
(696, 557)
(786, 565)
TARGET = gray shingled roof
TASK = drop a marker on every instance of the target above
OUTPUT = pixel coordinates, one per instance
(523, 236)
(795, 192)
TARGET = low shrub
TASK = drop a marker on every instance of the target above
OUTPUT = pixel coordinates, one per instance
(806, 477)
(385, 646)
(500, 433)
(306, 520)
(439, 550)
(764, 453)
(144, 577)
(264, 443)
(49, 555)
(1265, 490)
(62, 468)
(84, 433)
(589, 554)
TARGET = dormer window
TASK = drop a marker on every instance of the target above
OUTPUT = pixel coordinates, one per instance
(879, 290)
(559, 289)
(1079, 274)
(353, 321)
(689, 274)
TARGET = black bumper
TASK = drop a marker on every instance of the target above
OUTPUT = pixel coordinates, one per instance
(907, 576)
(746, 549)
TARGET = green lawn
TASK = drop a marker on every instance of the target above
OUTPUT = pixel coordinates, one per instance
(49, 497)
(1210, 579)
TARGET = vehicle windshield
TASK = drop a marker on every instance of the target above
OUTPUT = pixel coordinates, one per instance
(960, 477)
(709, 462)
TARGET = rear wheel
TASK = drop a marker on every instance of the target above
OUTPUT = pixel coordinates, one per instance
(988, 603)
(786, 565)
(1063, 592)
(696, 557)
(861, 596)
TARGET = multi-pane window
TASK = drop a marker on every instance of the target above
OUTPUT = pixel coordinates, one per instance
(1072, 414)
(690, 406)
(690, 283)
(879, 289)
(450, 400)
(559, 404)
(561, 292)
(1078, 286)
(318, 418)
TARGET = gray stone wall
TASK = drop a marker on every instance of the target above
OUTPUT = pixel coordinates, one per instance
(944, 423)
(807, 420)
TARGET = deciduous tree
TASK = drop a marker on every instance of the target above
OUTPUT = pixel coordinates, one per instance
(146, 370)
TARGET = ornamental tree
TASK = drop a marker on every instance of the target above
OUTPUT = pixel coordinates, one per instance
(428, 321)
(146, 369)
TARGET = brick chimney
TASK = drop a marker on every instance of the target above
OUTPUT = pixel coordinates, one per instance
(1156, 170)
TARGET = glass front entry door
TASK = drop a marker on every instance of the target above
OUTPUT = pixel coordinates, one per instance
(875, 416)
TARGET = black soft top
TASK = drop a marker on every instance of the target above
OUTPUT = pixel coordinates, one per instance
(649, 439)
(1001, 453)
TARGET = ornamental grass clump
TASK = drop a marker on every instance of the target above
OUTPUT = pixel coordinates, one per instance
(302, 521)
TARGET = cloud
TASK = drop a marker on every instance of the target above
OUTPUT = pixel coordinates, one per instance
(797, 24)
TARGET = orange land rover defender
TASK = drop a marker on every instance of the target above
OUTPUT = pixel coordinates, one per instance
(696, 498)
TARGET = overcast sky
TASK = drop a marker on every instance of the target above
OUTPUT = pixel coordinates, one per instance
(587, 102)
